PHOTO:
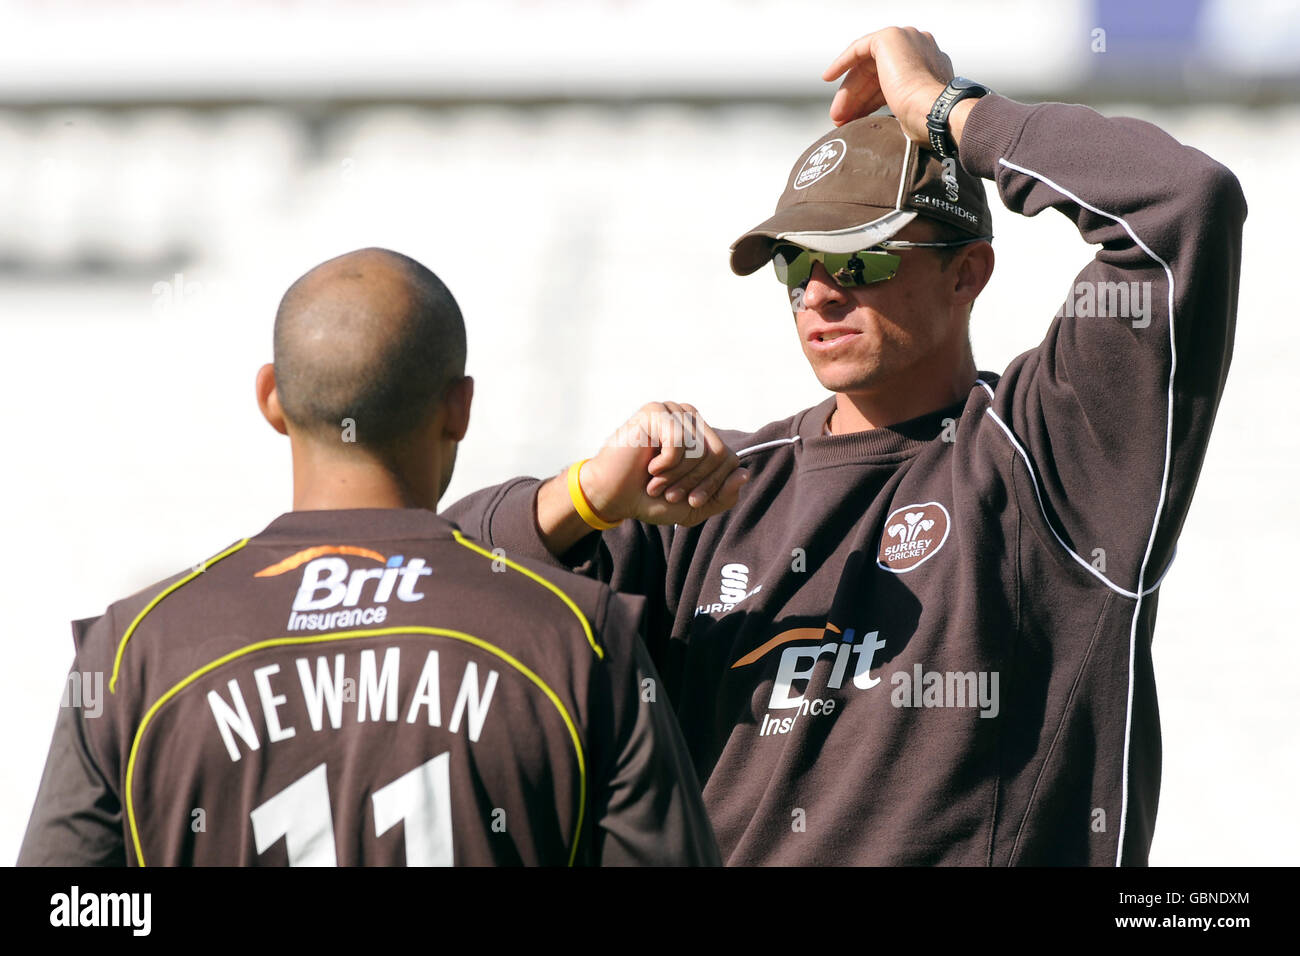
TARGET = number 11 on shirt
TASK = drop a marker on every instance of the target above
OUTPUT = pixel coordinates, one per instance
(301, 814)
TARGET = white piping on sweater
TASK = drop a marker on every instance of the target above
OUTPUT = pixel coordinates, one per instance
(767, 444)
(1083, 562)
(1164, 480)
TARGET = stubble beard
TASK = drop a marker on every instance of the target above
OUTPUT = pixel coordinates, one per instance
(863, 373)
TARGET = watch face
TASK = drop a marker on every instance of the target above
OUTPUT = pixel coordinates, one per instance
(963, 83)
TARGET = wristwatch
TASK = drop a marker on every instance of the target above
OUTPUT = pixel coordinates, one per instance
(958, 89)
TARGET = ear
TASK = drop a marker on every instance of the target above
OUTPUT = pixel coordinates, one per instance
(974, 270)
(456, 403)
(268, 399)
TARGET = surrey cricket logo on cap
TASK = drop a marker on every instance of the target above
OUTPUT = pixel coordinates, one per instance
(823, 160)
(858, 185)
(913, 534)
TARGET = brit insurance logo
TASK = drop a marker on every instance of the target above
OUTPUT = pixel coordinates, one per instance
(802, 690)
(821, 163)
(333, 594)
(913, 535)
(795, 694)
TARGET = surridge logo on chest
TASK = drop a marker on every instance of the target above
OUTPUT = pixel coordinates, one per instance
(913, 534)
(331, 591)
(735, 578)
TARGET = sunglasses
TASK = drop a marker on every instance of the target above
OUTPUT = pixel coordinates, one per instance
(794, 264)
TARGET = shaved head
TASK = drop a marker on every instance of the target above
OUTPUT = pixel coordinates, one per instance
(371, 336)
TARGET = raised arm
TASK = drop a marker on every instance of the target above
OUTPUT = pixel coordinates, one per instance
(1111, 414)
(1113, 410)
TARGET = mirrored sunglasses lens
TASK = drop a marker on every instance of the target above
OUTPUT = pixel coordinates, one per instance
(861, 268)
(791, 264)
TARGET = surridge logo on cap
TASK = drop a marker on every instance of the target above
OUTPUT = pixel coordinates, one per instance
(950, 179)
(822, 161)
(913, 534)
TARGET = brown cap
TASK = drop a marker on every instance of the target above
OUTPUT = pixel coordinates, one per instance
(857, 186)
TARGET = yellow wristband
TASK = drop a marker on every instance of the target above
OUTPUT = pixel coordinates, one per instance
(580, 502)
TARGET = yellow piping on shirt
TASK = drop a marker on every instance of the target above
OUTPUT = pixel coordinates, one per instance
(346, 635)
(582, 618)
(121, 647)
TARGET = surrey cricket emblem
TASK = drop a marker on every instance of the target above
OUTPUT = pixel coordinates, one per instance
(913, 534)
(823, 161)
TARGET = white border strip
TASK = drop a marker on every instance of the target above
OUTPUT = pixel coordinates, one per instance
(767, 444)
(1083, 562)
(902, 180)
(1164, 480)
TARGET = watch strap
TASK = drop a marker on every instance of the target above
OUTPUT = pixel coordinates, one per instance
(959, 88)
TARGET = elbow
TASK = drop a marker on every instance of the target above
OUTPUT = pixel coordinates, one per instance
(1225, 202)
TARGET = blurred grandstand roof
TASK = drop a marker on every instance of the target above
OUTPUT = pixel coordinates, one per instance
(136, 51)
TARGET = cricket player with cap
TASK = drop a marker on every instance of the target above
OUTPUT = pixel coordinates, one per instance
(912, 624)
(360, 683)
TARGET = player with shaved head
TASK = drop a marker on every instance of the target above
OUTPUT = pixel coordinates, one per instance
(374, 339)
(360, 683)
(371, 335)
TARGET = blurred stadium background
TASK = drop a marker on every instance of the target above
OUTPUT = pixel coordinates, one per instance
(575, 171)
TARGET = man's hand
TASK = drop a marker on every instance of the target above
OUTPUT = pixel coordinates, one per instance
(900, 67)
(664, 465)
